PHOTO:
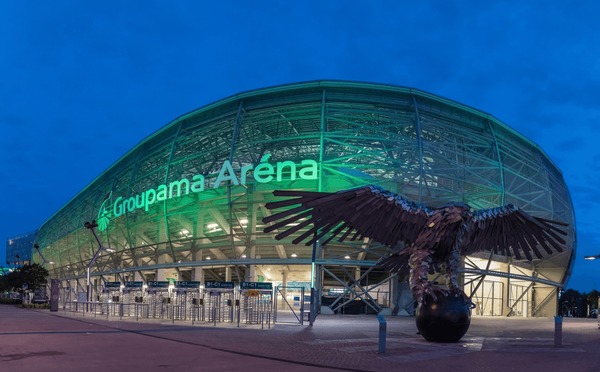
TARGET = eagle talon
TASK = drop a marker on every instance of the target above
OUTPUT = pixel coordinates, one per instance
(459, 293)
(431, 292)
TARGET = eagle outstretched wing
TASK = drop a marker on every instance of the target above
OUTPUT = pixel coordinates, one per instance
(368, 211)
(510, 231)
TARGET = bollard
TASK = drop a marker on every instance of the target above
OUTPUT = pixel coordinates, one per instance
(382, 333)
(557, 331)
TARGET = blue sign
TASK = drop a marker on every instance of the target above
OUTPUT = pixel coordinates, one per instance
(133, 284)
(187, 284)
(158, 284)
(256, 285)
(218, 285)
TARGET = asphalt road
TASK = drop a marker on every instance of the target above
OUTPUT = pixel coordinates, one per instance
(34, 340)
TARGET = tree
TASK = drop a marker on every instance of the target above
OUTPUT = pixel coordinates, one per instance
(574, 303)
(32, 276)
(570, 300)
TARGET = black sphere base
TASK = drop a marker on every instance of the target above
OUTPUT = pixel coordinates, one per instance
(445, 320)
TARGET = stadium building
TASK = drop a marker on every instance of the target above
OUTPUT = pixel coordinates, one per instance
(187, 203)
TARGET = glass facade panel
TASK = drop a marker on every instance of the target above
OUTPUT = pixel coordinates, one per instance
(197, 188)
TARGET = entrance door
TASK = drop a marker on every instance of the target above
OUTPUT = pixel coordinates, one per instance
(290, 306)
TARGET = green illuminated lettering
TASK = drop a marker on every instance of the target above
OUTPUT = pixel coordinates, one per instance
(281, 165)
(229, 177)
(311, 172)
(139, 200)
(263, 173)
(118, 207)
(197, 183)
(176, 186)
(150, 201)
(245, 170)
(161, 193)
(130, 204)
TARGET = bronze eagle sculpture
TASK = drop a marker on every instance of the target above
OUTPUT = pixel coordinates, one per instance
(427, 239)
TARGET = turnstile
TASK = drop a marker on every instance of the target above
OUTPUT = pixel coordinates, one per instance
(158, 299)
(110, 299)
(257, 302)
(185, 298)
(219, 300)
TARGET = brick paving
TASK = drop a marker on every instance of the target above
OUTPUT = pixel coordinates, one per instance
(67, 342)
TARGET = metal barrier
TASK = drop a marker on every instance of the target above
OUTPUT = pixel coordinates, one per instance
(290, 300)
(198, 310)
(184, 301)
(257, 303)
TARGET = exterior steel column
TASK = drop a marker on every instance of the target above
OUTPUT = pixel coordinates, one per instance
(420, 146)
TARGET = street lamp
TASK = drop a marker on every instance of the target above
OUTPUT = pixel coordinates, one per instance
(92, 226)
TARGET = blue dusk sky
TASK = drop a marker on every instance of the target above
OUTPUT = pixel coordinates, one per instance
(84, 81)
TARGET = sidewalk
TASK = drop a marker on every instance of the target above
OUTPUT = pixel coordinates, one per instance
(33, 340)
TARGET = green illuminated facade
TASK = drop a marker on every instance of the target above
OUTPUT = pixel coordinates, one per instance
(187, 202)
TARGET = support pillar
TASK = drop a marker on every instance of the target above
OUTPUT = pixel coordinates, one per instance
(251, 272)
(163, 274)
(138, 277)
(198, 275)
(506, 294)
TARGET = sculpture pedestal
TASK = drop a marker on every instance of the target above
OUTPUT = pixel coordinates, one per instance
(445, 320)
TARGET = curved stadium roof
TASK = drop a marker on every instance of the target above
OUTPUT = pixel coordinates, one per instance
(323, 135)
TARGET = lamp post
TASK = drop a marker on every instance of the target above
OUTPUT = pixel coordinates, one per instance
(92, 226)
(594, 257)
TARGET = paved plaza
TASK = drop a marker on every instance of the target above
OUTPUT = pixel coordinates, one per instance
(38, 340)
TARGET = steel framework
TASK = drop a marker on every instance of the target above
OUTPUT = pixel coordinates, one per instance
(427, 148)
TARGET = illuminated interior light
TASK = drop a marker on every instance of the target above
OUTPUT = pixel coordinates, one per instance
(243, 255)
(347, 257)
(294, 255)
(212, 226)
(208, 258)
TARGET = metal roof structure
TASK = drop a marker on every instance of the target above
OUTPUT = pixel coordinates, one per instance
(197, 187)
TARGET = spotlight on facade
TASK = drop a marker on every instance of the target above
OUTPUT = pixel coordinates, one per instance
(591, 257)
